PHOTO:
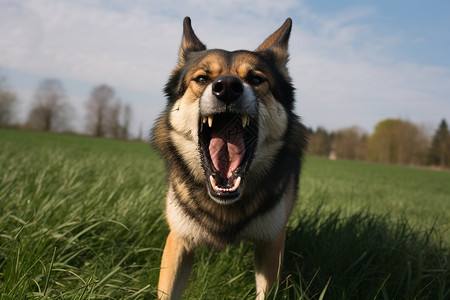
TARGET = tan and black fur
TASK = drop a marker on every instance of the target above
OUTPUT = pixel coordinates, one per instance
(233, 149)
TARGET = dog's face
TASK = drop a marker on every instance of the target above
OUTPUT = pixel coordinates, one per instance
(229, 111)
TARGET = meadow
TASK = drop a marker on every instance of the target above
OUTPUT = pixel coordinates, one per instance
(82, 218)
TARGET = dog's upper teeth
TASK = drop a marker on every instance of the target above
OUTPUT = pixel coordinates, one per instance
(245, 120)
(210, 121)
(207, 120)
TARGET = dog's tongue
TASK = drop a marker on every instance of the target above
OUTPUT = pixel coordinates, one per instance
(227, 149)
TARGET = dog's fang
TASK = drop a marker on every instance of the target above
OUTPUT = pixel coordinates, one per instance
(244, 120)
(213, 183)
(236, 183)
(205, 119)
(210, 120)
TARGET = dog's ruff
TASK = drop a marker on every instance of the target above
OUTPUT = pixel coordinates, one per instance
(233, 148)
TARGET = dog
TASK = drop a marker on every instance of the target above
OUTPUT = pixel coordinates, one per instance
(233, 149)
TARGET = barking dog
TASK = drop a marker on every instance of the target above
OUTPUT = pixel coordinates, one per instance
(233, 149)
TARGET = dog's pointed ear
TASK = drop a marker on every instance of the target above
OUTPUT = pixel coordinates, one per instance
(277, 43)
(189, 42)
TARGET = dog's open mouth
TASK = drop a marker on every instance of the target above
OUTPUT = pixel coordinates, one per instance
(227, 145)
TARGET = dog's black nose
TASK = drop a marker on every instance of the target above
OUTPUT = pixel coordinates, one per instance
(227, 88)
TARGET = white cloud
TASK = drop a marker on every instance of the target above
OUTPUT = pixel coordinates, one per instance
(347, 74)
(67, 40)
(130, 48)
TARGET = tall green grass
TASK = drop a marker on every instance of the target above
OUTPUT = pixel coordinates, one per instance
(420, 195)
(82, 218)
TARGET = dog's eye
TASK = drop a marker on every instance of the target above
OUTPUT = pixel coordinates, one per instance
(255, 80)
(201, 79)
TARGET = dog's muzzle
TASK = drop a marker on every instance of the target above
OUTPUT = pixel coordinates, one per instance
(227, 137)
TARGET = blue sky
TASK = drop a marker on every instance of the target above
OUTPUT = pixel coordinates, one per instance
(422, 26)
(352, 62)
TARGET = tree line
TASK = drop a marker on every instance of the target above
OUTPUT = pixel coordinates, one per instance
(394, 141)
(106, 115)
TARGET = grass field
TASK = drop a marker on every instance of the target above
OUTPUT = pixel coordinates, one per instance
(82, 218)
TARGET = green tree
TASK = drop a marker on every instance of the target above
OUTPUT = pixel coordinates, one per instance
(397, 141)
(440, 146)
(382, 146)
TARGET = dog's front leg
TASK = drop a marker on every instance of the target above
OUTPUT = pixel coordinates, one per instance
(176, 265)
(268, 260)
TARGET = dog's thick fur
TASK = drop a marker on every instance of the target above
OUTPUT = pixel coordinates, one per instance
(233, 149)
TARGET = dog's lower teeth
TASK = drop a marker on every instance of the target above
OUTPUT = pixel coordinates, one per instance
(228, 190)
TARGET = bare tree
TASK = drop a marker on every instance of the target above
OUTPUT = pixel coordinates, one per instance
(126, 120)
(350, 143)
(106, 116)
(139, 137)
(119, 120)
(319, 143)
(8, 104)
(50, 109)
(99, 110)
(113, 126)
